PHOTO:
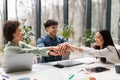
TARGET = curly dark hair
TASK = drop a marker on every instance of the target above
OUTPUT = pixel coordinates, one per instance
(9, 29)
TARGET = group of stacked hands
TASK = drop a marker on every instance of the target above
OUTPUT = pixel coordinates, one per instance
(62, 48)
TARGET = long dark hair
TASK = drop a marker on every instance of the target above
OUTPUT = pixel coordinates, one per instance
(107, 38)
(107, 41)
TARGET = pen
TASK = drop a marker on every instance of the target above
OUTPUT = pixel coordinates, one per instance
(71, 76)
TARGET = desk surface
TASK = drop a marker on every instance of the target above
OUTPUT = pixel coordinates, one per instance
(46, 71)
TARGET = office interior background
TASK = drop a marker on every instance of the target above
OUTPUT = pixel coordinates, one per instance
(79, 14)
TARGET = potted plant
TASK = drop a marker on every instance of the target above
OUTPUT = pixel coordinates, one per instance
(27, 29)
(88, 37)
(67, 31)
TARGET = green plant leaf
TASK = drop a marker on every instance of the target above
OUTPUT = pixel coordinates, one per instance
(88, 36)
(27, 32)
(67, 31)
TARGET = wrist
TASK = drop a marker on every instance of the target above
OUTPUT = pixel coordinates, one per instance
(75, 48)
(78, 49)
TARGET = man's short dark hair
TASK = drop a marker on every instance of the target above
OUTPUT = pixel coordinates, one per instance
(9, 29)
(50, 22)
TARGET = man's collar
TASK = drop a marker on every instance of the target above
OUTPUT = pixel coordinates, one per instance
(48, 37)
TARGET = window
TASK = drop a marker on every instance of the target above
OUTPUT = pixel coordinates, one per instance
(52, 9)
(77, 18)
(23, 10)
(115, 20)
(98, 15)
(1, 22)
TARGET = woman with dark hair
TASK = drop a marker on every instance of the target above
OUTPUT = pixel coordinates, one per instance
(12, 33)
(107, 42)
(104, 48)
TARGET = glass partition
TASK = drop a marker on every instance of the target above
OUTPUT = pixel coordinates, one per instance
(77, 19)
(25, 12)
(98, 15)
(1, 22)
(52, 9)
(115, 20)
(1, 35)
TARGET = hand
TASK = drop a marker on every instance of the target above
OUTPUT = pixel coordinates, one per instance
(70, 47)
(53, 48)
(53, 53)
(65, 47)
(62, 48)
(56, 51)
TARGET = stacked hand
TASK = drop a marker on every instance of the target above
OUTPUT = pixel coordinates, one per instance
(54, 51)
(64, 47)
(61, 49)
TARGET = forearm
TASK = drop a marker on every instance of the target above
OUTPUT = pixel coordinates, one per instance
(38, 51)
(49, 48)
(52, 48)
(77, 49)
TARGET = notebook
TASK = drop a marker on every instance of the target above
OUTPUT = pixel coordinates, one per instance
(68, 63)
(18, 62)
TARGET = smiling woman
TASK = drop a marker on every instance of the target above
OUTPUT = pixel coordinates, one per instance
(12, 33)
(104, 48)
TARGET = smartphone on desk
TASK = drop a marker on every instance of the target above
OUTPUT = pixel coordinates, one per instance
(98, 69)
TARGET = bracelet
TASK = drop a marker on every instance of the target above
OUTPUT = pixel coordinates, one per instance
(48, 53)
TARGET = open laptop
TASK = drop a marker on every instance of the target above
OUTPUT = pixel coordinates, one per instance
(19, 62)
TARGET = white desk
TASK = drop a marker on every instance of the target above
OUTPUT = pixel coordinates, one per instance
(47, 72)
